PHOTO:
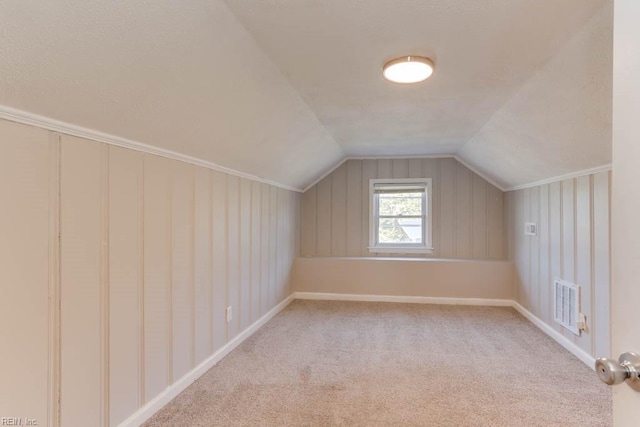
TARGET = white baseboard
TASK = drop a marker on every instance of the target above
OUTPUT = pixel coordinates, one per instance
(586, 358)
(405, 299)
(145, 412)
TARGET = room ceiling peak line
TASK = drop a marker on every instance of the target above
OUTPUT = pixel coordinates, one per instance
(419, 156)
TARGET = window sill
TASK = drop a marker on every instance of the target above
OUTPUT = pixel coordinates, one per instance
(400, 250)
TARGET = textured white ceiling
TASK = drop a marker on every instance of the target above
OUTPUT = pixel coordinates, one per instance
(302, 87)
(333, 50)
(180, 75)
(559, 121)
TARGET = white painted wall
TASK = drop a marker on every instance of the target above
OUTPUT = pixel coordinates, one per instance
(26, 261)
(430, 278)
(573, 243)
(467, 210)
(132, 296)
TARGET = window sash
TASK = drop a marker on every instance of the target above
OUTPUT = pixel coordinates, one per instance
(406, 188)
(421, 187)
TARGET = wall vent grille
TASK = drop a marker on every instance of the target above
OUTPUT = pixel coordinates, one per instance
(567, 305)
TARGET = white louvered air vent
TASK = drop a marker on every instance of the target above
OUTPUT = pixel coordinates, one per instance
(567, 305)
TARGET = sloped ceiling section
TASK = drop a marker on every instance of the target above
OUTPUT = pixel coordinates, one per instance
(559, 121)
(522, 88)
(484, 51)
(184, 76)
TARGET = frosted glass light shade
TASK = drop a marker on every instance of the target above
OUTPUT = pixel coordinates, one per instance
(408, 69)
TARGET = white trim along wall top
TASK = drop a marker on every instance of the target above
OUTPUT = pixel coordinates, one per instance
(18, 116)
(23, 117)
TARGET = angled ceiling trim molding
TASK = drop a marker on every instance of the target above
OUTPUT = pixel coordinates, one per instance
(480, 174)
(435, 156)
(326, 174)
(576, 174)
(19, 116)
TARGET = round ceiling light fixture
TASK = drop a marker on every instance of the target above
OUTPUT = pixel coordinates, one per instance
(408, 69)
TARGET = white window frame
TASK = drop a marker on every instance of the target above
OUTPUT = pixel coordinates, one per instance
(402, 248)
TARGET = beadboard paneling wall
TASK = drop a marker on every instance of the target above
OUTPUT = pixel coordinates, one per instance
(26, 279)
(467, 210)
(573, 243)
(132, 296)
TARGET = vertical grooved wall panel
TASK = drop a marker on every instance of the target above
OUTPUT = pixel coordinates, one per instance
(369, 171)
(339, 211)
(124, 263)
(182, 176)
(157, 272)
(447, 208)
(520, 250)
(202, 263)
(573, 244)
(233, 254)
(280, 274)
(496, 223)
(308, 221)
(463, 211)
(583, 255)
(480, 220)
(220, 256)
(568, 229)
(273, 246)
(323, 217)
(24, 261)
(354, 208)
(555, 238)
(534, 252)
(256, 249)
(82, 358)
(545, 300)
(288, 241)
(468, 212)
(385, 168)
(244, 308)
(400, 168)
(265, 277)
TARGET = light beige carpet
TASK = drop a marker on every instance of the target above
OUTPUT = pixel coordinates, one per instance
(378, 364)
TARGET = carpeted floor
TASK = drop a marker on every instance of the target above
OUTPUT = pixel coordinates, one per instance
(322, 363)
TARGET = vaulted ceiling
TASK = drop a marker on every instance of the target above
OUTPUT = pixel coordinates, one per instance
(285, 89)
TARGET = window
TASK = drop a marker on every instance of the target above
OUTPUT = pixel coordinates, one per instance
(400, 215)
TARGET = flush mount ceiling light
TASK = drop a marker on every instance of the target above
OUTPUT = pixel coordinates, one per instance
(408, 69)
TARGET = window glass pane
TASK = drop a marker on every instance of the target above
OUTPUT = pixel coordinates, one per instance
(398, 204)
(400, 230)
